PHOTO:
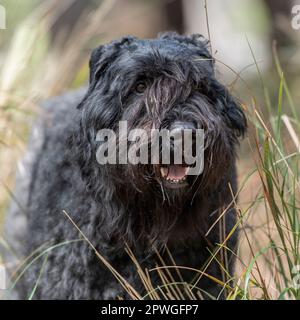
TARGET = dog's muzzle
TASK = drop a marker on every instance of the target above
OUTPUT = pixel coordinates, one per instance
(175, 175)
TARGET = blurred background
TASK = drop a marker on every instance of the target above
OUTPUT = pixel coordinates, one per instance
(45, 48)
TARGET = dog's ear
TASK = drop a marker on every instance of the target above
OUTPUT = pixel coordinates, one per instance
(236, 116)
(101, 58)
(94, 59)
(202, 43)
(231, 110)
(196, 40)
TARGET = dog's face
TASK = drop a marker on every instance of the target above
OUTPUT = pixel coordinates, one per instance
(164, 83)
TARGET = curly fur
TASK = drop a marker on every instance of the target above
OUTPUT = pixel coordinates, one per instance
(117, 204)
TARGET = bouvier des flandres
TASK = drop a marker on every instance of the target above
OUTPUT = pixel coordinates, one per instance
(158, 211)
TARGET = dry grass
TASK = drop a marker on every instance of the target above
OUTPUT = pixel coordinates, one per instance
(268, 202)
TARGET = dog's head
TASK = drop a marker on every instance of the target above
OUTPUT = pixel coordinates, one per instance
(163, 83)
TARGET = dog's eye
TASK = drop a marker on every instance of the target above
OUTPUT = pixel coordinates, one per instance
(196, 86)
(199, 87)
(140, 87)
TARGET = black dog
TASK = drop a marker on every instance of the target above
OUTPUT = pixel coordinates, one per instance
(159, 83)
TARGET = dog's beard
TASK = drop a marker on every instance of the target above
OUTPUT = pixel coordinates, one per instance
(151, 210)
(169, 180)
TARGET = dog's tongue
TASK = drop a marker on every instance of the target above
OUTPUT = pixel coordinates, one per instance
(176, 172)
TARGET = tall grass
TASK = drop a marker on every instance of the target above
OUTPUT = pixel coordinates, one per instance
(275, 143)
(268, 261)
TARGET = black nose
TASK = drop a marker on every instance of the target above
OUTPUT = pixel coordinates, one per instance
(182, 125)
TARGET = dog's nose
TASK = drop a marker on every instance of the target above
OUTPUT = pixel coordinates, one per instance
(182, 125)
(180, 143)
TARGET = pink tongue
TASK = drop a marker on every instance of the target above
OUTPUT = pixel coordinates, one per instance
(176, 172)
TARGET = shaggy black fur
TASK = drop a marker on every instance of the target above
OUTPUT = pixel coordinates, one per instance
(117, 204)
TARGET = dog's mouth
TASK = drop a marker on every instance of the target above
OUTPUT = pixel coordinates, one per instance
(174, 175)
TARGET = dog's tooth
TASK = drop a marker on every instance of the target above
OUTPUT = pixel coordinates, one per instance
(163, 171)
